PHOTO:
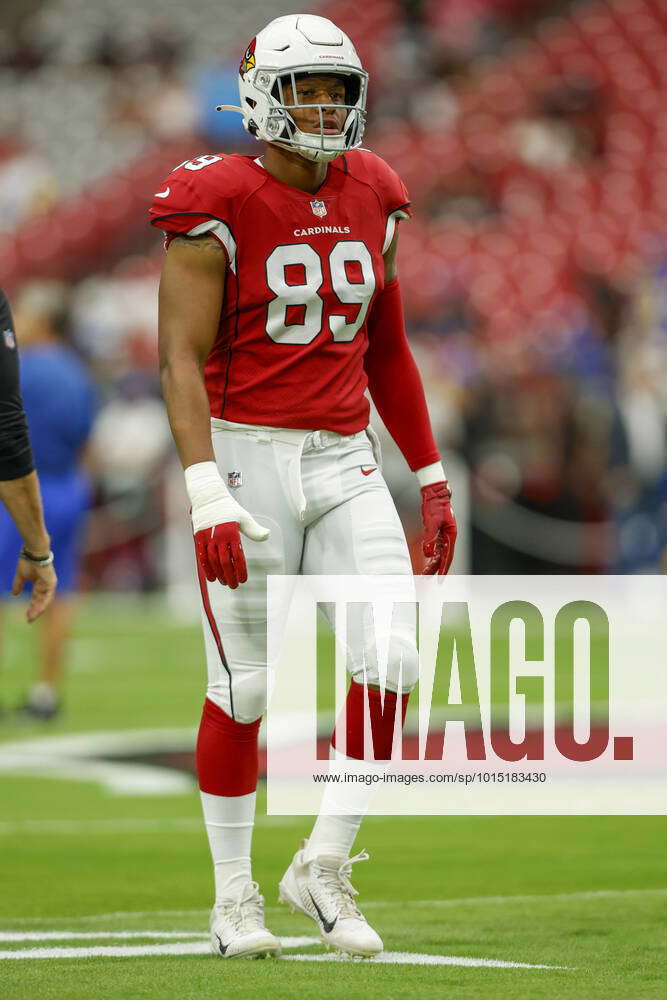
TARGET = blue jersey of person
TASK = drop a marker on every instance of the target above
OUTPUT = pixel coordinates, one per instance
(60, 401)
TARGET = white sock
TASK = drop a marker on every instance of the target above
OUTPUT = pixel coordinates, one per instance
(43, 695)
(332, 837)
(229, 821)
(343, 807)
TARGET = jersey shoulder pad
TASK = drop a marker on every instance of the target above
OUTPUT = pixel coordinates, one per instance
(371, 168)
(199, 196)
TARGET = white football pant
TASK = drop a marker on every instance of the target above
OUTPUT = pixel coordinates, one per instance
(328, 515)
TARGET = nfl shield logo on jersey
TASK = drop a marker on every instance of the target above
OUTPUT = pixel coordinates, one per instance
(235, 479)
(319, 208)
(9, 338)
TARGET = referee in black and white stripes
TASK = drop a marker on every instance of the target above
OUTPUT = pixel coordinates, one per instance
(19, 486)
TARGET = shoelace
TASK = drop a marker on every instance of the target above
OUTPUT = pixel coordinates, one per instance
(337, 881)
(246, 911)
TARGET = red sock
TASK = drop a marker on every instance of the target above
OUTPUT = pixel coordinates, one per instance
(227, 754)
(382, 722)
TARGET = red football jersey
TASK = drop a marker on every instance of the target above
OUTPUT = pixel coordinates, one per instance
(303, 271)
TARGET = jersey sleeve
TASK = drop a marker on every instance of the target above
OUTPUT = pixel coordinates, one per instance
(396, 199)
(188, 204)
(390, 189)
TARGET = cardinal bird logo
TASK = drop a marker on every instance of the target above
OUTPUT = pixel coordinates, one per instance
(248, 61)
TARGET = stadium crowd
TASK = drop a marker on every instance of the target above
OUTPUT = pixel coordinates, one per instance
(533, 272)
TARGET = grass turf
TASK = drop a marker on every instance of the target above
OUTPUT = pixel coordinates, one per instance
(583, 892)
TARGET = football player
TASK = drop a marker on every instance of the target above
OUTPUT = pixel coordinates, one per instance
(279, 307)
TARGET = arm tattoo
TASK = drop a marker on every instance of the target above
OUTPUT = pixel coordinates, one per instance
(204, 242)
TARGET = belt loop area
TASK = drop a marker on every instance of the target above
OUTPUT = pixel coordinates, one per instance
(294, 475)
(376, 447)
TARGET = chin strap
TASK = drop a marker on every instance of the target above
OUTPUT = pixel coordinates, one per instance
(292, 147)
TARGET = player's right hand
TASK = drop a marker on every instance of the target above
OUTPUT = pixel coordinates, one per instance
(217, 523)
(219, 550)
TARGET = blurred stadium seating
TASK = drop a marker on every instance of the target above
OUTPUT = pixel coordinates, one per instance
(533, 139)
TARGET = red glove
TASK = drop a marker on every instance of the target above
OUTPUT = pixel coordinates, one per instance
(217, 523)
(439, 528)
(220, 554)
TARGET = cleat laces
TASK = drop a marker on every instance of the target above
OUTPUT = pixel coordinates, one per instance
(245, 911)
(337, 882)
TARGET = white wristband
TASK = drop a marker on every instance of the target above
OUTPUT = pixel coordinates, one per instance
(204, 483)
(209, 497)
(430, 474)
(212, 503)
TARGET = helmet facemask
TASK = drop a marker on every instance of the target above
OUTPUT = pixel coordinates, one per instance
(279, 126)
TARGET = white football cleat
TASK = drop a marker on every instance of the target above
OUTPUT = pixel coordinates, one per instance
(321, 889)
(237, 926)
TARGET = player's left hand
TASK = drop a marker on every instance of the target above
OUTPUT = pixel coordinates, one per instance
(44, 582)
(439, 528)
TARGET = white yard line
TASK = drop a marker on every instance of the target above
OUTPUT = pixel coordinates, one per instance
(113, 951)
(38, 935)
(287, 942)
(196, 943)
(412, 958)
(96, 935)
(202, 947)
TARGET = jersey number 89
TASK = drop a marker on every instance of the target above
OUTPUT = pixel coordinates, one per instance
(294, 316)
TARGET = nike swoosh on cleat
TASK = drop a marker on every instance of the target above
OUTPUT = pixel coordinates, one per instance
(223, 947)
(163, 194)
(367, 472)
(327, 925)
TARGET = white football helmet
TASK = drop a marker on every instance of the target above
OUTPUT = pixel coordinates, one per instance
(287, 48)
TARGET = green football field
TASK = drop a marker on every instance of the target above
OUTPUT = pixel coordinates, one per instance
(106, 894)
